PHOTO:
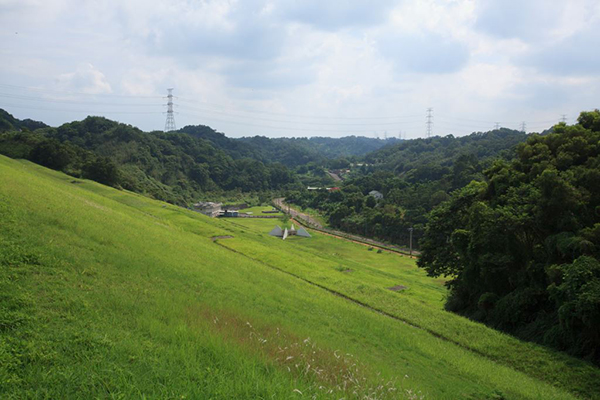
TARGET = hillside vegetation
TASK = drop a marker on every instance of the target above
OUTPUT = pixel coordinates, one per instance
(8, 122)
(173, 167)
(291, 152)
(414, 177)
(180, 167)
(106, 293)
(523, 245)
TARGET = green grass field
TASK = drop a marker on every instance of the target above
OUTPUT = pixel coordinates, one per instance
(107, 294)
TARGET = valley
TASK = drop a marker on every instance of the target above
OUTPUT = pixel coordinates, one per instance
(117, 295)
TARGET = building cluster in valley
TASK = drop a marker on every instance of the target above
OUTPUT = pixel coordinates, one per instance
(209, 208)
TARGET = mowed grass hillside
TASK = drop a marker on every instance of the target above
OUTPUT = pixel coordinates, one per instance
(107, 294)
(365, 275)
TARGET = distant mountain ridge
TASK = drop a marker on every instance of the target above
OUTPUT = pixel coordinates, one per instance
(291, 152)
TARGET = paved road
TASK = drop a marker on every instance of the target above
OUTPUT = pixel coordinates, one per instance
(297, 214)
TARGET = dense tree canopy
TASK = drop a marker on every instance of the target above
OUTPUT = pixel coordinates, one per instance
(174, 167)
(414, 177)
(291, 152)
(522, 247)
(8, 123)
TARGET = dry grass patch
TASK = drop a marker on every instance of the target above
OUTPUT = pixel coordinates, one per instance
(330, 372)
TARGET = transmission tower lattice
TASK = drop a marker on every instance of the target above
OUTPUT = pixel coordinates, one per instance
(170, 123)
(563, 118)
(429, 121)
(523, 127)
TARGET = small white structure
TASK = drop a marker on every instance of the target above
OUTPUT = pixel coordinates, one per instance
(377, 195)
(285, 233)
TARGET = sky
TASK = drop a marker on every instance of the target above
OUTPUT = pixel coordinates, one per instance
(303, 67)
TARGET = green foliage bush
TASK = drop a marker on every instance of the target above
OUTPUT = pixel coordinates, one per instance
(102, 170)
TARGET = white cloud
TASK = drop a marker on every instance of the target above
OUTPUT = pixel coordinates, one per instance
(85, 79)
(333, 16)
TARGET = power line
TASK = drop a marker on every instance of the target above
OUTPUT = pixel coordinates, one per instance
(292, 121)
(46, 100)
(79, 110)
(213, 106)
(283, 128)
(229, 114)
(206, 112)
(38, 89)
(451, 118)
(302, 115)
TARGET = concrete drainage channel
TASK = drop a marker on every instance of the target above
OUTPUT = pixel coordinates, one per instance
(215, 238)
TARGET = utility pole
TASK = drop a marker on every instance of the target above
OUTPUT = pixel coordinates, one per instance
(523, 127)
(497, 125)
(563, 118)
(429, 121)
(411, 231)
(170, 123)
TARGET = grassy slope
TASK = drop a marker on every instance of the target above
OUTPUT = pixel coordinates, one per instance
(320, 260)
(109, 294)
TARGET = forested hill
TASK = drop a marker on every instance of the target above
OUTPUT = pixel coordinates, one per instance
(413, 176)
(9, 122)
(439, 152)
(523, 246)
(174, 167)
(291, 152)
